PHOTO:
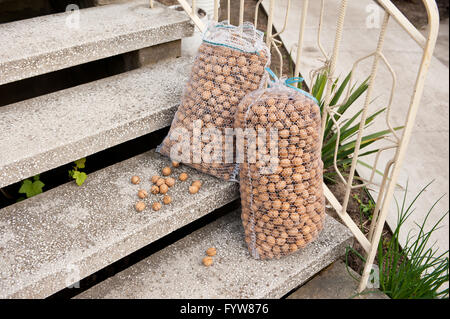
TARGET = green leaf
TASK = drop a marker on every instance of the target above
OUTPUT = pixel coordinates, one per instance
(319, 86)
(339, 92)
(37, 187)
(26, 186)
(30, 188)
(79, 177)
(344, 107)
(347, 132)
(80, 163)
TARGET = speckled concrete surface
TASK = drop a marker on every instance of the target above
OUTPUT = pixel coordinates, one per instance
(177, 271)
(52, 240)
(335, 282)
(51, 130)
(53, 42)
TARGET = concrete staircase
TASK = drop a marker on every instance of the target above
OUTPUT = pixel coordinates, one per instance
(50, 241)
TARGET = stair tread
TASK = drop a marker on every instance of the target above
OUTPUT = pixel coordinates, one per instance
(54, 129)
(44, 44)
(177, 272)
(49, 241)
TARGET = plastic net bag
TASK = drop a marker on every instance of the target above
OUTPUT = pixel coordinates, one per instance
(283, 205)
(230, 64)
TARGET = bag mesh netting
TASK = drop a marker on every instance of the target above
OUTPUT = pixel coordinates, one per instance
(283, 206)
(229, 64)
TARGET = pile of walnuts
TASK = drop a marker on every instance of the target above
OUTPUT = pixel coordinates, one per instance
(282, 210)
(221, 77)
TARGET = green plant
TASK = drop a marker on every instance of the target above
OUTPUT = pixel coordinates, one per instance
(364, 209)
(76, 174)
(349, 127)
(417, 271)
(31, 187)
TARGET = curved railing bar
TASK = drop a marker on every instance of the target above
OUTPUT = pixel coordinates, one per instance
(433, 29)
(403, 21)
(257, 12)
(285, 20)
(365, 109)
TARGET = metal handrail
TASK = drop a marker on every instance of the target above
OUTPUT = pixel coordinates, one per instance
(400, 144)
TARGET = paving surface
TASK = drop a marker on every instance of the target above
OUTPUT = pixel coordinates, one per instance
(53, 42)
(428, 153)
(56, 238)
(51, 130)
(334, 282)
(441, 51)
(177, 271)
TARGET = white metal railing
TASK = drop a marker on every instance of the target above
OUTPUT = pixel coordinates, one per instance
(398, 143)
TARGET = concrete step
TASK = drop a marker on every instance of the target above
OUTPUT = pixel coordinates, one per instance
(177, 271)
(56, 238)
(335, 282)
(49, 43)
(42, 133)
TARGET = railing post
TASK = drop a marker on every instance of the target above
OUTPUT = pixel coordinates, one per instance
(241, 12)
(300, 37)
(270, 24)
(216, 10)
(334, 57)
(188, 9)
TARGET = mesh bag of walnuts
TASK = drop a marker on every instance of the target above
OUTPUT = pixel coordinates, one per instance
(229, 64)
(283, 206)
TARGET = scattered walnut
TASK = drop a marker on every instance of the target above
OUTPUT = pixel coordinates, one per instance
(155, 179)
(193, 189)
(197, 184)
(142, 193)
(170, 181)
(140, 206)
(207, 261)
(166, 171)
(154, 190)
(211, 251)
(156, 206)
(163, 189)
(175, 164)
(160, 181)
(167, 200)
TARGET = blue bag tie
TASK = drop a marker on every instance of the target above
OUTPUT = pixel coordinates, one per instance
(289, 81)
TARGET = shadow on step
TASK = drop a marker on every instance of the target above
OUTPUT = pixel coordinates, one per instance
(94, 162)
